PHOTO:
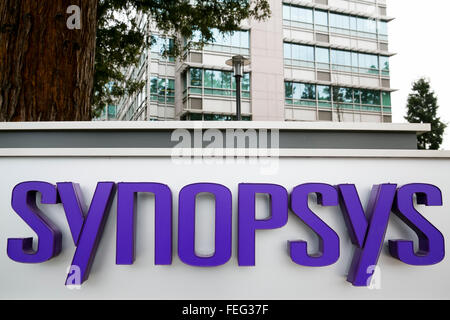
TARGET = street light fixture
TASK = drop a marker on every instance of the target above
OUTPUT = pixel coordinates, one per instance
(238, 63)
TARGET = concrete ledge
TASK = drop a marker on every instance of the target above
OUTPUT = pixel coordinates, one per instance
(267, 153)
(172, 125)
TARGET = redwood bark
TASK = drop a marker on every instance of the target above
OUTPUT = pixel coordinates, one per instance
(46, 69)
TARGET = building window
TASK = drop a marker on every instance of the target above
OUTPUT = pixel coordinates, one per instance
(196, 77)
(386, 96)
(321, 18)
(300, 55)
(323, 58)
(384, 65)
(217, 83)
(302, 17)
(370, 97)
(112, 112)
(245, 85)
(237, 42)
(154, 88)
(383, 30)
(368, 63)
(344, 95)
(340, 60)
(162, 90)
(195, 117)
(326, 97)
(325, 21)
(170, 93)
(196, 80)
(340, 21)
(109, 112)
(160, 45)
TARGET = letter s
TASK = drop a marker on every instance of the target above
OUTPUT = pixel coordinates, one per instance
(328, 239)
(431, 241)
(49, 237)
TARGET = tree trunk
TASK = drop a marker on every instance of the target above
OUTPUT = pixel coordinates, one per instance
(46, 69)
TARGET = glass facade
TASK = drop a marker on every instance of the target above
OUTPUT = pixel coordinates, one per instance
(325, 21)
(162, 90)
(339, 60)
(312, 95)
(216, 82)
(237, 42)
(108, 113)
(160, 45)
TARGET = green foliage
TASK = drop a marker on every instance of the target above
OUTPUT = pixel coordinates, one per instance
(422, 108)
(120, 41)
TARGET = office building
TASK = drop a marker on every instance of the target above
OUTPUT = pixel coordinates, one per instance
(313, 60)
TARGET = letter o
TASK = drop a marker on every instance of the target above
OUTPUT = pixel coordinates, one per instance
(186, 225)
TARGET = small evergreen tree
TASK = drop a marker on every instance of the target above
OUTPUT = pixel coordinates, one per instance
(422, 108)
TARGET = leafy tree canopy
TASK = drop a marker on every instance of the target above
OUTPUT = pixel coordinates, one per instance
(422, 108)
(120, 41)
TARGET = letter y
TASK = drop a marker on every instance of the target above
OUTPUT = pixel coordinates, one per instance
(86, 230)
(366, 233)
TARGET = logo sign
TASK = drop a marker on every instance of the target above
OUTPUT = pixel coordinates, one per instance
(366, 227)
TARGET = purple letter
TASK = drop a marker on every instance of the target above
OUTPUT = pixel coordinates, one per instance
(73, 204)
(328, 239)
(49, 237)
(431, 241)
(368, 236)
(248, 224)
(186, 225)
(91, 233)
(126, 222)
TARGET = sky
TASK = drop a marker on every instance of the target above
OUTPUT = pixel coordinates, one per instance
(419, 36)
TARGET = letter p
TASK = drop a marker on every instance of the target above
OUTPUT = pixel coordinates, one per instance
(247, 222)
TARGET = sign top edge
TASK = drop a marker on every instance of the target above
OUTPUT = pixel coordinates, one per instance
(173, 125)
